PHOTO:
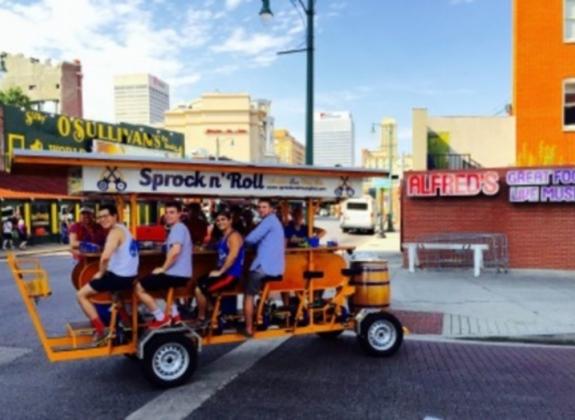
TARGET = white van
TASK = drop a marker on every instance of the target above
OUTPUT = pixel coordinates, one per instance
(359, 214)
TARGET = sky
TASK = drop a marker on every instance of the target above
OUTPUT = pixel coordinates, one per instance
(375, 58)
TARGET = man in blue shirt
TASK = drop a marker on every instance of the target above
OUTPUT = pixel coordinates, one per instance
(296, 231)
(268, 237)
(175, 272)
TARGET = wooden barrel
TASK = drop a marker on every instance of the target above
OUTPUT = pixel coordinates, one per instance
(371, 281)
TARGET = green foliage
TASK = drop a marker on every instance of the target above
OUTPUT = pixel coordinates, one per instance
(15, 97)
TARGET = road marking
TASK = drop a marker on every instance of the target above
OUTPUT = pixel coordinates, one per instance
(179, 403)
(9, 354)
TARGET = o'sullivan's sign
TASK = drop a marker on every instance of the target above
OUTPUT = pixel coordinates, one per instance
(228, 184)
(553, 185)
(452, 184)
(60, 133)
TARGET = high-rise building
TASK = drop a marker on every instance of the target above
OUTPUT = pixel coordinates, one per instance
(140, 99)
(52, 87)
(229, 125)
(288, 149)
(334, 139)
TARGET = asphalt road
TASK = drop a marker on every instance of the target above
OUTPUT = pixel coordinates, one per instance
(300, 378)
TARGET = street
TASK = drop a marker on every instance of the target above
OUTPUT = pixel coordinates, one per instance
(304, 377)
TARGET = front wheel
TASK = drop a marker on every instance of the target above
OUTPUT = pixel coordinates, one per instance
(169, 360)
(381, 334)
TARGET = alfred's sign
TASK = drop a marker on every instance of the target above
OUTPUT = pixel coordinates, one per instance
(452, 184)
(553, 185)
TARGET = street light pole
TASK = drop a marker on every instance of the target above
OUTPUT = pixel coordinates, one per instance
(309, 11)
(390, 195)
(390, 227)
(309, 93)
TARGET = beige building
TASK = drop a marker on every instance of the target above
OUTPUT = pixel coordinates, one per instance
(379, 158)
(462, 142)
(230, 125)
(140, 99)
(52, 87)
(288, 149)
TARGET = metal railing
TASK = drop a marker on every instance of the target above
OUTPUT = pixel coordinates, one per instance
(451, 161)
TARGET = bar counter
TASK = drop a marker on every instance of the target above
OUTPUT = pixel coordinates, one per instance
(298, 260)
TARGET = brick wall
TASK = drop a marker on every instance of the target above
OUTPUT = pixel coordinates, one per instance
(540, 235)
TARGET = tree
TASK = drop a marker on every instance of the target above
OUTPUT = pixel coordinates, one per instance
(15, 97)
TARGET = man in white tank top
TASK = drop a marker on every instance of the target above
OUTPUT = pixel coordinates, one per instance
(118, 267)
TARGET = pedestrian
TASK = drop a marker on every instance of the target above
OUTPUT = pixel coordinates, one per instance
(64, 226)
(22, 232)
(7, 228)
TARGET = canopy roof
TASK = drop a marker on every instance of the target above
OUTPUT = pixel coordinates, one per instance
(29, 161)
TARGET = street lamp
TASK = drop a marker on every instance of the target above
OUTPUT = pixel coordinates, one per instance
(266, 14)
(390, 167)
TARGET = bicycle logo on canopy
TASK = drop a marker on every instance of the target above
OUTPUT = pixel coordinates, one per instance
(111, 175)
(344, 190)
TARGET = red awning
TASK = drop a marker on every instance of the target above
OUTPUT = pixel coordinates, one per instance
(34, 187)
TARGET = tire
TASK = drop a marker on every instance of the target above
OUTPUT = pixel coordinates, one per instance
(169, 360)
(345, 230)
(330, 335)
(381, 334)
(370, 231)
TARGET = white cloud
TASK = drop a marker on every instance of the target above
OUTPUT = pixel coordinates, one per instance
(251, 44)
(108, 37)
(233, 4)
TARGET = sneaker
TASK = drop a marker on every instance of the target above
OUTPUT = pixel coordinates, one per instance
(200, 324)
(155, 324)
(177, 320)
(99, 338)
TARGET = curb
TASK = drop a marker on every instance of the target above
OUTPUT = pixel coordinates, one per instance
(38, 251)
(515, 341)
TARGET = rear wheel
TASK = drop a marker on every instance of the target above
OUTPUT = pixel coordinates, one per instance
(381, 334)
(169, 360)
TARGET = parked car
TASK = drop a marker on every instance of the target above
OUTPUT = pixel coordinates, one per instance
(359, 214)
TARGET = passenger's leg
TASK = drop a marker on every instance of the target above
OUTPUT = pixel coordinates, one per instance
(251, 288)
(249, 313)
(83, 299)
(153, 282)
(202, 304)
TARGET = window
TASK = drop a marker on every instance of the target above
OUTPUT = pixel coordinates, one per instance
(569, 21)
(569, 104)
(357, 206)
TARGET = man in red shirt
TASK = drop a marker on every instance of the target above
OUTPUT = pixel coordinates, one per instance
(86, 230)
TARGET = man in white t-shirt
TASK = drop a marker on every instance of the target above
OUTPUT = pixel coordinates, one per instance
(175, 272)
(7, 228)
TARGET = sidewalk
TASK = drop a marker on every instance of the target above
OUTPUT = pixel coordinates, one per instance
(519, 305)
(36, 250)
